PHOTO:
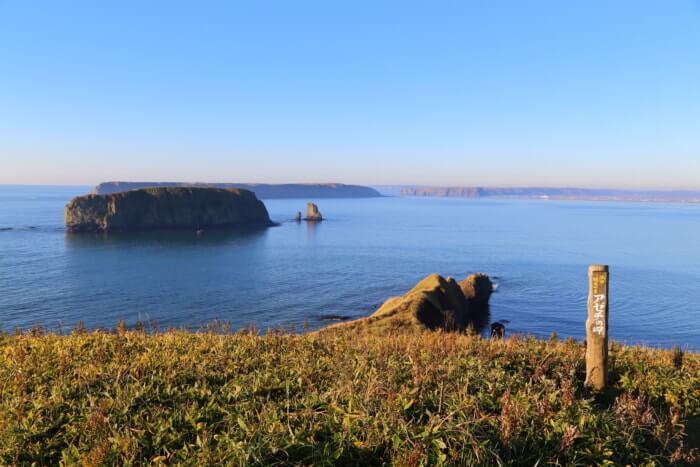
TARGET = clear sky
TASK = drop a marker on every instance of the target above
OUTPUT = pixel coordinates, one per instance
(577, 93)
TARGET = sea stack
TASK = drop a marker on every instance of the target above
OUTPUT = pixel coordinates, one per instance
(312, 213)
(166, 208)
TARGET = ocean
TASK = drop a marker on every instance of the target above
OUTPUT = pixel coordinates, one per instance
(293, 275)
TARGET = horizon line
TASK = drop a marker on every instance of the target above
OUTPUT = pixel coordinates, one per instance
(371, 185)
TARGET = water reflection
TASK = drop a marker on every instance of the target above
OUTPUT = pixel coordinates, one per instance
(174, 277)
(311, 228)
(208, 237)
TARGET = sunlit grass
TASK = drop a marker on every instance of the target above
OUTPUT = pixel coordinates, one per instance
(343, 398)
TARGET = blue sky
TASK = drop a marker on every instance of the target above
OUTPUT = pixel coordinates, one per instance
(576, 93)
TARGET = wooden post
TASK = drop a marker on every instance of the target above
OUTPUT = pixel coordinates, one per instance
(597, 327)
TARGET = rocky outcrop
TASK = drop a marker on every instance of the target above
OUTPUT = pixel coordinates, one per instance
(498, 330)
(477, 289)
(435, 303)
(312, 213)
(261, 190)
(166, 208)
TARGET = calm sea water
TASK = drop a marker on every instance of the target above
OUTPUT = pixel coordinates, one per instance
(367, 251)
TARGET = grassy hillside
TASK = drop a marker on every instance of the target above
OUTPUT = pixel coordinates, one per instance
(342, 398)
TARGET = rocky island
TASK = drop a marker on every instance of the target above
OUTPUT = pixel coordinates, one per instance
(166, 208)
(312, 213)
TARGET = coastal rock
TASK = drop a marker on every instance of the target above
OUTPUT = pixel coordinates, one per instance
(434, 303)
(477, 290)
(312, 213)
(498, 330)
(166, 208)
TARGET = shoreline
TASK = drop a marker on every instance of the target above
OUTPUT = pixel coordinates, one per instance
(225, 328)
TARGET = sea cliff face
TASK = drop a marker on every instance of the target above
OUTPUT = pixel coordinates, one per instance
(166, 208)
(261, 190)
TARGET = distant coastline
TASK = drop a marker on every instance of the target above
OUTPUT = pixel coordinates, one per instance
(261, 190)
(588, 194)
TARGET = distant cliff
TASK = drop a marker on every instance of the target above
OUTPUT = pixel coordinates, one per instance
(261, 190)
(166, 208)
(555, 193)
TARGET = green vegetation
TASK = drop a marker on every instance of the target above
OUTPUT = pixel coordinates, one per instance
(343, 398)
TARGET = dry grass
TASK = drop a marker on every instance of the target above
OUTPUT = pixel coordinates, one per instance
(336, 398)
